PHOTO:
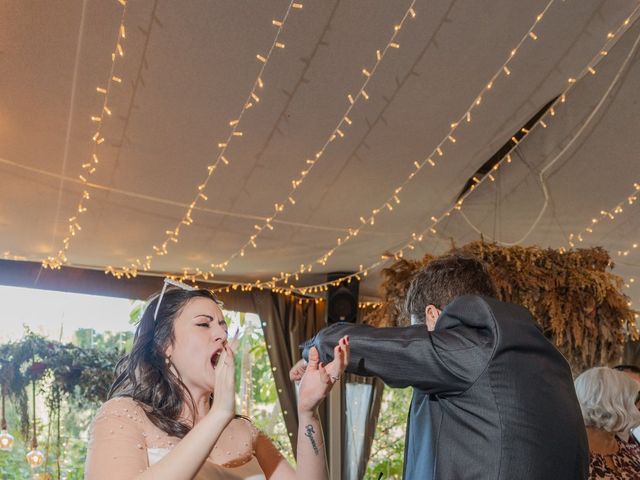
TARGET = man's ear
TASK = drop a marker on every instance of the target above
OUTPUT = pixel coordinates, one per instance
(431, 314)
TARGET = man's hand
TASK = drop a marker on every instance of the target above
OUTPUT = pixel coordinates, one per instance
(334, 369)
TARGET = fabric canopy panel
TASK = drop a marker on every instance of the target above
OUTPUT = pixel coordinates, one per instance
(187, 72)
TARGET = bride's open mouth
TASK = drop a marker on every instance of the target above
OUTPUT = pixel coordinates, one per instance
(215, 358)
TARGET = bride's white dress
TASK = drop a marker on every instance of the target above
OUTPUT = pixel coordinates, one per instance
(247, 471)
(123, 443)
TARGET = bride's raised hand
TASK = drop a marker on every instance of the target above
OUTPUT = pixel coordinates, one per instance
(318, 380)
(224, 395)
(334, 368)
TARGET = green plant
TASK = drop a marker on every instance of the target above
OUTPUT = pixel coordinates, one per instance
(387, 451)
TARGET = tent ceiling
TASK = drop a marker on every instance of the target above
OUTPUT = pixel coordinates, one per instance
(189, 67)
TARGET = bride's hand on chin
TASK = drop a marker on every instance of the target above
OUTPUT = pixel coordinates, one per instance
(224, 395)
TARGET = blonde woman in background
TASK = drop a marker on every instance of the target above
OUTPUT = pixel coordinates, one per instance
(608, 402)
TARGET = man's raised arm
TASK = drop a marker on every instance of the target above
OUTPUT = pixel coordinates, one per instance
(438, 362)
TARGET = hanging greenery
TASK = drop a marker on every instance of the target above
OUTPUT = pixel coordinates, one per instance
(573, 295)
(77, 373)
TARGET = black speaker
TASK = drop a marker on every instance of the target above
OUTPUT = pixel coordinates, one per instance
(342, 300)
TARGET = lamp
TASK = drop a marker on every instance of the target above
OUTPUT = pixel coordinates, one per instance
(6, 439)
(35, 457)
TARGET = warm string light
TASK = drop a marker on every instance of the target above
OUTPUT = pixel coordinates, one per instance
(416, 238)
(90, 166)
(609, 215)
(567, 145)
(430, 161)
(589, 69)
(394, 198)
(7, 255)
(301, 293)
(246, 385)
(291, 290)
(606, 215)
(369, 305)
(232, 287)
(388, 205)
(624, 253)
(339, 131)
(296, 293)
(252, 99)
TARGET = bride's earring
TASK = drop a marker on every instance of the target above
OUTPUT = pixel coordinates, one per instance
(167, 360)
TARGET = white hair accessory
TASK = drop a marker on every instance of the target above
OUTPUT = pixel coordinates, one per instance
(175, 283)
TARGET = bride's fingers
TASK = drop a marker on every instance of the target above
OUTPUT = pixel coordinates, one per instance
(324, 375)
(227, 357)
(233, 343)
(337, 354)
(346, 353)
(347, 357)
(296, 372)
(340, 354)
(338, 364)
(223, 358)
(231, 354)
(314, 359)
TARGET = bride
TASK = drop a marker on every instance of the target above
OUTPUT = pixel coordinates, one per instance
(171, 412)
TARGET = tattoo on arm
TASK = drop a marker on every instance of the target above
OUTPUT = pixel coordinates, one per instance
(309, 431)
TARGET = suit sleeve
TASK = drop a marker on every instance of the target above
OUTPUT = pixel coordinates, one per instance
(445, 361)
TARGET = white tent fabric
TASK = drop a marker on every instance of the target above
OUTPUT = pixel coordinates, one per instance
(188, 68)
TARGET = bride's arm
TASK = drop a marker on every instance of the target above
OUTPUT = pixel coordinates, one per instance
(311, 456)
(314, 386)
(187, 457)
(116, 449)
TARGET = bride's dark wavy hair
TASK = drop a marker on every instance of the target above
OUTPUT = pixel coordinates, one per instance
(144, 374)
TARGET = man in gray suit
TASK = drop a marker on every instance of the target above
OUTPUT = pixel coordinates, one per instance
(492, 397)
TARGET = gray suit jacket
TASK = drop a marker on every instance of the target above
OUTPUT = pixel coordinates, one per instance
(493, 398)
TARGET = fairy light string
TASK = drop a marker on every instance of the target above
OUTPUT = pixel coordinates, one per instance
(221, 159)
(416, 238)
(388, 205)
(55, 262)
(606, 216)
(543, 122)
(429, 161)
(90, 166)
(338, 132)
